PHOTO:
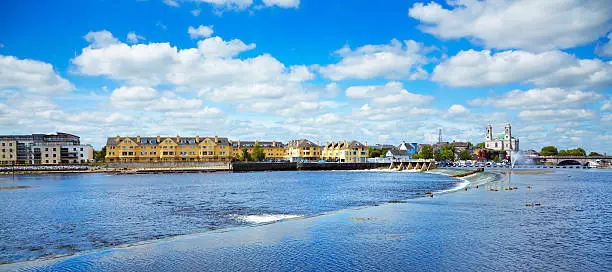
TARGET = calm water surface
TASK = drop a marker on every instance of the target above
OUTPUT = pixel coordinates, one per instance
(64, 214)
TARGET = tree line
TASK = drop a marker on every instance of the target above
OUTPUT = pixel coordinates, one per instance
(551, 150)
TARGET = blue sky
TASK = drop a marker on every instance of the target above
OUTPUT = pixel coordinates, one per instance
(379, 72)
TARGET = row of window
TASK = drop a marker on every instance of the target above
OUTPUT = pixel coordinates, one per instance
(9, 144)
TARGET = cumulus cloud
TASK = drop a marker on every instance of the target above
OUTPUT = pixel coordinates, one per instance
(99, 39)
(521, 24)
(31, 76)
(200, 32)
(282, 3)
(607, 106)
(554, 116)
(549, 98)
(397, 60)
(211, 64)
(172, 3)
(211, 70)
(458, 110)
(390, 94)
(149, 99)
(132, 37)
(549, 69)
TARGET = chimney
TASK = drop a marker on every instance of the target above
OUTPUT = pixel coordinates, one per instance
(197, 139)
(117, 138)
(256, 142)
(158, 139)
(365, 143)
(178, 139)
(274, 143)
(138, 139)
(238, 142)
(216, 139)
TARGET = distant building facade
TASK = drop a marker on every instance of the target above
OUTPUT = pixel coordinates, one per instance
(504, 142)
(168, 149)
(460, 146)
(44, 149)
(345, 151)
(273, 149)
(302, 150)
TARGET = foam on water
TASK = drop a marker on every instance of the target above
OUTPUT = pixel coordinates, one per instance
(265, 218)
(458, 187)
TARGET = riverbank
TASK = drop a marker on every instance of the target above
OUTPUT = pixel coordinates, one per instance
(464, 231)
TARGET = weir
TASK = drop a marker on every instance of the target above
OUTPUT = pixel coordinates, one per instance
(418, 165)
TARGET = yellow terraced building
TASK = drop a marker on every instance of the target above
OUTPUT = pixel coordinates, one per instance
(274, 150)
(168, 149)
(302, 150)
(345, 151)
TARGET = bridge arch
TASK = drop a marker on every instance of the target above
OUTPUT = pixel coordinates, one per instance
(569, 162)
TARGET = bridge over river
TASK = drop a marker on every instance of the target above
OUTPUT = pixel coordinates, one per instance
(575, 160)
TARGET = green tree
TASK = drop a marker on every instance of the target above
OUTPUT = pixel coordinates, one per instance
(549, 151)
(465, 155)
(573, 152)
(480, 145)
(594, 154)
(427, 152)
(246, 156)
(416, 156)
(374, 153)
(447, 153)
(470, 145)
(258, 153)
(579, 152)
(437, 155)
(100, 155)
(495, 158)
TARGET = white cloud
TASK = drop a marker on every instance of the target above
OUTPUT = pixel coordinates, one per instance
(390, 94)
(458, 110)
(200, 32)
(210, 65)
(549, 98)
(149, 99)
(396, 60)
(282, 3)
(554, 116)
(172, 3)
(196, 12)
(132, 37)
(206, 112)
(99, 39)
(607, 106)
(228, 4)
(127, 97)
(216, 47)
(549, 69)
(31, 76)
(521, 24)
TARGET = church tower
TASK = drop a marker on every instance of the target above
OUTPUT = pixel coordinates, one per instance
(508, 136)
(489, 135)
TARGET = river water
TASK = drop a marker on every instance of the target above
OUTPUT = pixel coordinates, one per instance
(555, 220)
(64, 214)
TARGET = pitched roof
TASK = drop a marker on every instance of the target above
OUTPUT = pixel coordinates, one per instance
(397, 152)
(266, 144)
(303, 143)
(112, 141)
